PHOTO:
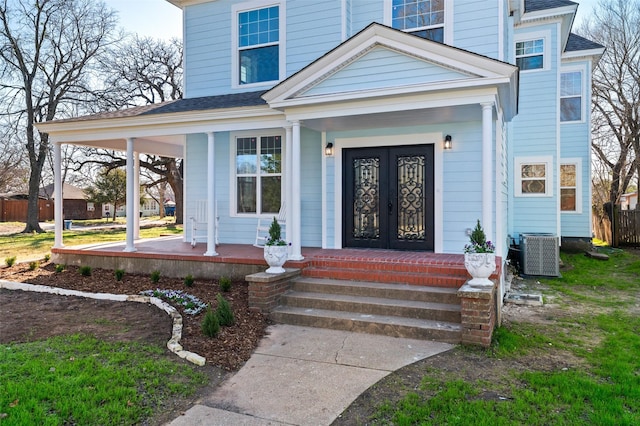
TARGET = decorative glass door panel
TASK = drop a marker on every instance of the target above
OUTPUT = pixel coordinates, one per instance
(389, 197)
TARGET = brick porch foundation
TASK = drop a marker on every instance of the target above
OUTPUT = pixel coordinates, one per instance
(478, 314)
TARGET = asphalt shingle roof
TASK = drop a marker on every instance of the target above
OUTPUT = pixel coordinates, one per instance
(576, 43)
(535, 5)
(233, 100)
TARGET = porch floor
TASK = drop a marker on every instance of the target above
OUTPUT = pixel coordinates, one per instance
(174, 248)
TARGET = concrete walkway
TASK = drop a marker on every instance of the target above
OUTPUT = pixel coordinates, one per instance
(305, 376)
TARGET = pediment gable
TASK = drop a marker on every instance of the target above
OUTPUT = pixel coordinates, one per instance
(382, 67)
(382, 59)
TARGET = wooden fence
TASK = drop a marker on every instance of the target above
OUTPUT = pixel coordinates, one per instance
(627, 229)
(16, 210)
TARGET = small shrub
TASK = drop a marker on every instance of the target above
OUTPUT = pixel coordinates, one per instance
(60, 267)
(85, 271)
(210, 324)
(33, 265)
(119, 273)
(10, 261)
(47, 257)
(155, 276)
(188, 280)
(225, 284)
(224, 312)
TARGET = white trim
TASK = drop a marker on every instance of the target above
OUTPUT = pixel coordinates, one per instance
(577, 162)
(582, 69)
(323, 185)
(344, 20)
(258, 133)
(546, 50)
(393, 140)
(547, 161)
(282, 46)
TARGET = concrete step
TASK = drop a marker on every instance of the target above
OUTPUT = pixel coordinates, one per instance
(374, 289)
(367, 323)
(373, 305)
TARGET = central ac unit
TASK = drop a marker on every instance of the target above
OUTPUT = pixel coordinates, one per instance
(540, 254)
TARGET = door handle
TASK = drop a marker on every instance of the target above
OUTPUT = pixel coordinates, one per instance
(390, 207)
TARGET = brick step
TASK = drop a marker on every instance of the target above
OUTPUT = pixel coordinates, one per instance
(411, 266)
(375, 289)
(373, 306)
(420, 279)
(366, 323)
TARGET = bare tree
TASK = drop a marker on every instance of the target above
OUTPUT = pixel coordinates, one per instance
(616, 91)
(47, 49)
(143, 71)
(13, 170)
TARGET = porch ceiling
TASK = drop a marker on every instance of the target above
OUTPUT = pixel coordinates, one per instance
(166, 146)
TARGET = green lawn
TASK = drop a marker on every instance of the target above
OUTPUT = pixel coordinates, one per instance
(598, 329)
(81, 380)
(34, 246)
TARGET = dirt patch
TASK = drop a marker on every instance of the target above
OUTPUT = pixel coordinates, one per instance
(35, 316)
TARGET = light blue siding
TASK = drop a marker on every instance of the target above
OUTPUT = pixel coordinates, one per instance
(363, 13)
(311, 187)
(476, 26)
(313, 28)
(391, 69)
(535, 133)
(207, 48)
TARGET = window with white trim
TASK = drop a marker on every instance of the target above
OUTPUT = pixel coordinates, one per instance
(571, 96)
(533, 177)
(258, 45)
(530, 54)
(424, 18)
(570, 191)
(258, 174)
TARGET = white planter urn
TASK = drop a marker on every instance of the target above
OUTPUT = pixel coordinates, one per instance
(480, 266)
(275, 256)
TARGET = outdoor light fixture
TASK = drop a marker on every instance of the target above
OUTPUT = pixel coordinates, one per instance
(328, 150)
(447, 142)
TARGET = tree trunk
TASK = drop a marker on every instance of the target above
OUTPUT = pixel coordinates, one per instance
(174, 178)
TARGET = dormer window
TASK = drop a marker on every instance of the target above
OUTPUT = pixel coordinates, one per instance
(258, 34)
(424, 18)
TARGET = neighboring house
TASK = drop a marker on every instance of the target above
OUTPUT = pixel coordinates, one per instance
(377, 123)
(629, 201)
(148, 207)
(75, 205)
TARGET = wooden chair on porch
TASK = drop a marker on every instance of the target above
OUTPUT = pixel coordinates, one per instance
(199, 222)
(262, 230)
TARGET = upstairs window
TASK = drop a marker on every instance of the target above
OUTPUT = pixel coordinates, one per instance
(258, 174)
(259, 45)
(424, 18)
(530, 54)
(571, 96)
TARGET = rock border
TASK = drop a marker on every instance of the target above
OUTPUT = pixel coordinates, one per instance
(176, 333)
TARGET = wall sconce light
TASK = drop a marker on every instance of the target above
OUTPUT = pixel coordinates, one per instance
(447, 142)
(328, 150)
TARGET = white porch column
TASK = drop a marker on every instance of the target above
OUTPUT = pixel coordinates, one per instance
(288, 167)
(211, 197)
(487, 169)
(57, 195)
(136, 190)
(295, 231)
(130, 247)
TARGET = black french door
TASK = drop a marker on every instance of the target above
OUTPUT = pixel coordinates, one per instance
(388, 197)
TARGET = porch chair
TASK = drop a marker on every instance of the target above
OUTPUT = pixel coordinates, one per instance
(199, 223)
(262, 230)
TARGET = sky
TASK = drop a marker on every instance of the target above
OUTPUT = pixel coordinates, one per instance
(151, 18)
(161, 19)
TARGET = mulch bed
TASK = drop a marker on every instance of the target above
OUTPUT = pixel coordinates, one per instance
(229, 350)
